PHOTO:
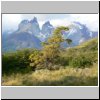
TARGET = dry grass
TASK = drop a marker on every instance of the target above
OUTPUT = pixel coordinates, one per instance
(63, 77)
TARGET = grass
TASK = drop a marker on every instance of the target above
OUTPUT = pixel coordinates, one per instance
(89, 44)
(63, 77)
(83, 55)
(78, 67)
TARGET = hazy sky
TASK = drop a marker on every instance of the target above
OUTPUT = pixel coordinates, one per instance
(11, 21)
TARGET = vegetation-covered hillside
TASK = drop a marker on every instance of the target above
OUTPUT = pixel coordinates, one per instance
(53, 65)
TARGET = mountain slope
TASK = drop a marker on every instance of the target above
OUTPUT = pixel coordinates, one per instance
(78, 33)
(17, 41)
(31, 26)
(30, 35)
(47, 29)
(91, 44)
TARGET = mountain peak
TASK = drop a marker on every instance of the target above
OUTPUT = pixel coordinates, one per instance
(47, 23)
(33, 20)
(22, 24)
(24, 21)
(47, 29)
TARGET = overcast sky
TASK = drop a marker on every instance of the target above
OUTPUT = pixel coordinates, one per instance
(11, 21)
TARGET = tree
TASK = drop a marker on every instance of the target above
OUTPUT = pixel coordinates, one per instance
(51, 49)
(49, 55)
(37, 60)
(69, 41)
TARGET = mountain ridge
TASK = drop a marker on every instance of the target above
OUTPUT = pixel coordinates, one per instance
(30, 29)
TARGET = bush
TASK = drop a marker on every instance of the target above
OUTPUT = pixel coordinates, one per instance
(36, 60)
(16, 61)
(80, 56)
(81, 61)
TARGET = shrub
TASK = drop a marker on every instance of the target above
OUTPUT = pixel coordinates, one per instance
(16, 61)
(36, 60)
(81, 61)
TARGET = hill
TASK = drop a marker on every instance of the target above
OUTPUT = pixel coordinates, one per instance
(90, 44)
(77, 66)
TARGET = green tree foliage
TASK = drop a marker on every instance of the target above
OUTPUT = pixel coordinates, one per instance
(69, 41)
(81, 61)
(57, 35)
(15, 62)
(37, 61)
(49, 55)
(84, 55)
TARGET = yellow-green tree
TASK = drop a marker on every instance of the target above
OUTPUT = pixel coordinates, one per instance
(37, 60)
(51, 49)
(49, 55)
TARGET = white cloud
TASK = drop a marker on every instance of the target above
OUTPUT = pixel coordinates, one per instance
(40, 17)
(90, 20)
(11, 21)
(60, 22)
